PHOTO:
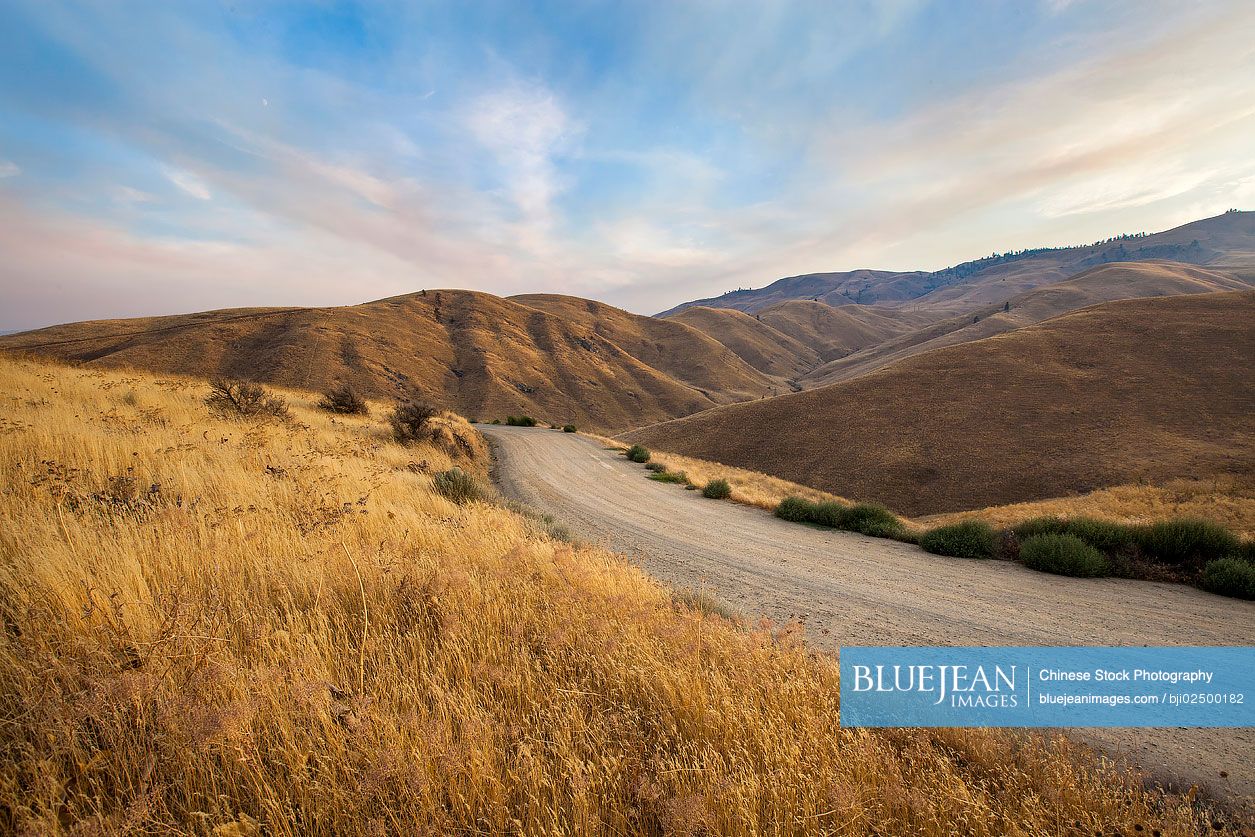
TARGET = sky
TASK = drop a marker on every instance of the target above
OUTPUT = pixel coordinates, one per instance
(161, 157)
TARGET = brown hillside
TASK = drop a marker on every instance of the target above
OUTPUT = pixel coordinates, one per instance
(473, 352)
(1151, 389)
(836, 331)
(1106, 283)
(673, 348)
(769, 351)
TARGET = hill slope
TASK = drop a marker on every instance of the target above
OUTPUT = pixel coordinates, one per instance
(771, 351)
(477, 353)
(1149, 389)
(1105, 283)
(1226, 241)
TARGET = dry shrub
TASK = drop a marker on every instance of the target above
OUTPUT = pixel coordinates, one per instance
(345, 401)
(232, 397)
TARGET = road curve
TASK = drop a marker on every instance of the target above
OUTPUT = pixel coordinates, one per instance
(848, 589)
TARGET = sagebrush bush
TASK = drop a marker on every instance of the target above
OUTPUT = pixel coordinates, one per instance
(655, 466)
(717, 490)
(637, 453)
(1063, 555)
(458, 486)
(669, 476)
(1229, 577)
(231, 397)
(966, 539)
(1039, 526)
(870, 519)
(345, 401)
(795, 510)
(520, 421)
(1187, 541)
(828, 514)
(568, 428)
(411, 421)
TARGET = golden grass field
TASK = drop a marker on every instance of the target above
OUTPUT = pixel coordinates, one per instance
(234, 627)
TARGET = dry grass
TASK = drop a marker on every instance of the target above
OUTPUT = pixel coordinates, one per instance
(751, 488)
(1225, 500)
(215, 626)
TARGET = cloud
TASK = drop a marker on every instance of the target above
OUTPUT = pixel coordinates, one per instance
(525, 128)
(8, 168)
(189, 183)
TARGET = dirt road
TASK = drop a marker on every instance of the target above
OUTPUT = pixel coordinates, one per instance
(848, 589)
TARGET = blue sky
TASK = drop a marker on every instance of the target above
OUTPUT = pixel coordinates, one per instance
(165, 157)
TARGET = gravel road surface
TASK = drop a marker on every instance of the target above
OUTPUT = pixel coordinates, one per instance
(848, 589)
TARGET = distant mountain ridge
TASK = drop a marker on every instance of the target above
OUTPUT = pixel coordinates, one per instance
(1224, 241)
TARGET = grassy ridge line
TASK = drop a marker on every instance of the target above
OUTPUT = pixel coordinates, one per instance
(293, 632)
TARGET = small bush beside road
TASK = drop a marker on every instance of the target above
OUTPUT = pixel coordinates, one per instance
(1064, 555)
(968, 539)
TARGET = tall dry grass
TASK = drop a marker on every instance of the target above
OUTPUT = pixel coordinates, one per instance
(243, 628)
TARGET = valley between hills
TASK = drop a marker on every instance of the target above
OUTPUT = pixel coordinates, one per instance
(1015, 378)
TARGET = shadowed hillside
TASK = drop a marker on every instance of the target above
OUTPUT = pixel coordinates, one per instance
(1152, 389)
(1106, 283)
(477, 353)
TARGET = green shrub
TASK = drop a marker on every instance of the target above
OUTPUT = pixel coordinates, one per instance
(828, 514)
(458, 486)
(1186, 541)
(1063, 555)
(520, 421)
(655, 466)
(717, 490)
(870, 519)
(966, 539)
(568, 428)
(1039, 526)
(636, 453)
(496, 421)
(669, 476)
(1103, 535)
(1229, 577)
(795, 510)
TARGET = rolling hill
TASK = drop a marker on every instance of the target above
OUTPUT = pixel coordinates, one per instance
(473, 352)
(1149, 389)
(1105, 283)
(1226, 242)
(769, 350)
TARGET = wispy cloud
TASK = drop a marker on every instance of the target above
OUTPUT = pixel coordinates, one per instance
(189, 183)
(8, 168)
